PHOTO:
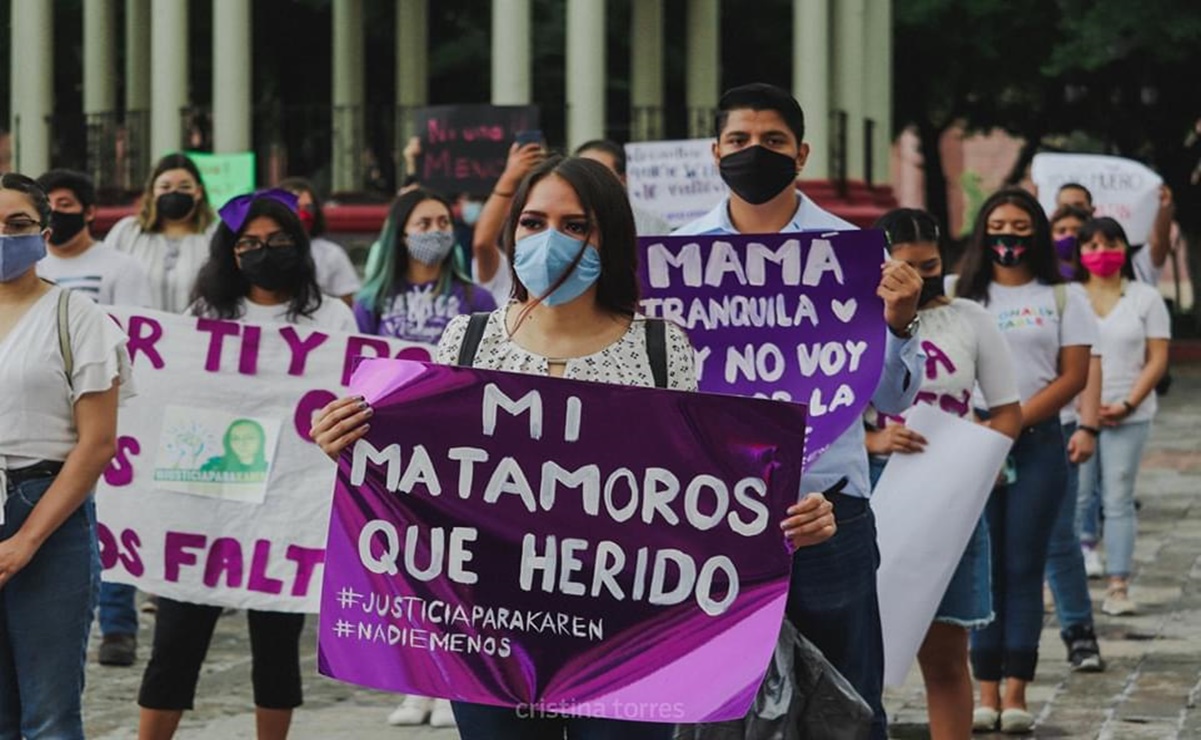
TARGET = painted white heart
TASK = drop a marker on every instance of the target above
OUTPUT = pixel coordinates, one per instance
(844, 310)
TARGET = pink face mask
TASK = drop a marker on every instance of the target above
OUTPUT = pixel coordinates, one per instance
(1103, 263)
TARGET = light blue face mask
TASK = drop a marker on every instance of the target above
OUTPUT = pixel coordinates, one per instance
(19, 253)
(541, 259)
(471, 212)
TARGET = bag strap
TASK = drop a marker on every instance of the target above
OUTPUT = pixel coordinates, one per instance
(656, 350)
(1061, 298)
(64, 335)
(471, 340)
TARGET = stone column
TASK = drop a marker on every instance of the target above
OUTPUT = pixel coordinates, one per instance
(879, 87)
(811, 80)
(99, 56)
(850, 83)
(347, 93)
(585, 71)
(703, 72)
(511, 57)
(646, 70)
(233, 58)
(31, 84)
(412, 62)
(168, 74)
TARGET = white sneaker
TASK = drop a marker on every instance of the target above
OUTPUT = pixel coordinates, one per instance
(985, 719)
(1118, 602)
(414, 710)
(443, 715)
(1093, 567)
(1017, 722)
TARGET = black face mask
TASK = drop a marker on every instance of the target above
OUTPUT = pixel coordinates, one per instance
(272, 268)
(64, 226)
(932, 287)
(174, 206)
(757, 174)
(1008, 250)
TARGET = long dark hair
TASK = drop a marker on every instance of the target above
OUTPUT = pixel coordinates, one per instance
(202, 214)
(388, 260)
(608, 207)
(222, 286)
(976, 273)
(1113, 232)
(909, 226)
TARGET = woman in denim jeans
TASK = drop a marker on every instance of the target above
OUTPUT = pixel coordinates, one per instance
(1011, 269)
(1134, 332)
(62, 365)
(963, 348)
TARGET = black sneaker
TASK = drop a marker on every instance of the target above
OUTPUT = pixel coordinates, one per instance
(118, 650)
(1084, 654)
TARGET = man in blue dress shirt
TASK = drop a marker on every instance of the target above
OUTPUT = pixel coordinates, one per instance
(760, 149)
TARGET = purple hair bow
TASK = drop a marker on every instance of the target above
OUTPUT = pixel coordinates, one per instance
(233, 213)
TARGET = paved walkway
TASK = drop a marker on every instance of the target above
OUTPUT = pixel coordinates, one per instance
(1150, 689)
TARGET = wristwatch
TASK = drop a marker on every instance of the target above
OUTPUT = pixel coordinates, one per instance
(910, 329)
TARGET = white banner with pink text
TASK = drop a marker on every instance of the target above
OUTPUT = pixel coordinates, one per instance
(216, 494)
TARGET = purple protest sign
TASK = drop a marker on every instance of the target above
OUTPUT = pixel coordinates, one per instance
(559, 546)
(793, 317)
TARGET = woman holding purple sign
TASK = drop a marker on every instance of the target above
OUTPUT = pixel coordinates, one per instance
(1011, 269)
(414, 284)
(570, 238)
(963, 348)
(259, 270)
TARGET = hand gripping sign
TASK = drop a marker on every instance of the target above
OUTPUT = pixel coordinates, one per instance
(793, 317)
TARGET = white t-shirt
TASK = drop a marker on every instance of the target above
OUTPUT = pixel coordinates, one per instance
(335, 273)
(1029, 320)
(501, 284)
(1139, 315)
(1144, 269)
(647, 223)
(963, 347)
(103, 274)
(38, 405)
(172, 263)
(624, 362)
(1070, 414)
(332, 314)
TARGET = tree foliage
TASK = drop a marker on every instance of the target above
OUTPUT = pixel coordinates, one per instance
(1120, 72)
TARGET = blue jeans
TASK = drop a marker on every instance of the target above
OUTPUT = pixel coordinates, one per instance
(1114, 468)
(485, 722)
(1065, 564)
(118, 615)
(832, 601)
(1020, 519)
(45, 614)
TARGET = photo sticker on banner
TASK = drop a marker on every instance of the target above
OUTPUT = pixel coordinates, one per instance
(215, 453)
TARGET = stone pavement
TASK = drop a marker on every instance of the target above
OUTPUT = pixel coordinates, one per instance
(1150, 689)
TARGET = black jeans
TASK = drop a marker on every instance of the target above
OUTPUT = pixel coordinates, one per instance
(182, 632)
(832, 601)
